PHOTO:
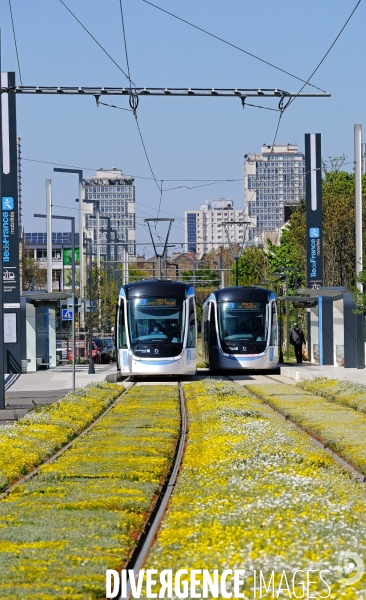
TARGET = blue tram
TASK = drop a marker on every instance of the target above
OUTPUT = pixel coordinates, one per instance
(156, 328)
(240, 329)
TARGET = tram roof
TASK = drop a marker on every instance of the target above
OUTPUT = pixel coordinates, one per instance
(241, 292)
(156, 287)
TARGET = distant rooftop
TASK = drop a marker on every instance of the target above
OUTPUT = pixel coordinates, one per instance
(279, 148)
(112, 176)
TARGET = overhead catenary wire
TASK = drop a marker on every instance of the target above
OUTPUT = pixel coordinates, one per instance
(134, 106)
(233, 45)
(291, 100)
(114, 106)
(45, 162)
(124, 37)
(327, 52)
(15, 42)
(95, 40)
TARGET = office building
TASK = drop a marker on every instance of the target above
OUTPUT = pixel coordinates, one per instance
(116, 195)
(273, 181)
(205, 230)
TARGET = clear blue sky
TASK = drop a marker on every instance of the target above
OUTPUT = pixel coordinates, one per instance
(186, 138)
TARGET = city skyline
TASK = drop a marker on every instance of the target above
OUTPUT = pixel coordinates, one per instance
(203, 139)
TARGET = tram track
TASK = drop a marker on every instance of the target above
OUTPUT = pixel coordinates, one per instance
(357, 475)
(64, 449)
(152, 526)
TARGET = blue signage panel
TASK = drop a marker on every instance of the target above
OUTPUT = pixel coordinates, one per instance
(66, 314)
(13, 353)
(313, 179)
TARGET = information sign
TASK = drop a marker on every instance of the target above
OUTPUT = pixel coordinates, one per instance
(66, 314)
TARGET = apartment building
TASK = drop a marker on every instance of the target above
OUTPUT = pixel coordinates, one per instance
(273, 181)
(205, 229)
(116, 195)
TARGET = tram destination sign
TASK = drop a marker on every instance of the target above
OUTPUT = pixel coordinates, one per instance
(161, 302)
(244, 305)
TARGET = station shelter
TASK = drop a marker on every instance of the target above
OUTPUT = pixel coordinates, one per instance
(335, 327)
(38, 329)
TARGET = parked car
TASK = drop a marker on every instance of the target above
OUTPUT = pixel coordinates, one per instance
(61, 348)
(102, 350)
(111, 348)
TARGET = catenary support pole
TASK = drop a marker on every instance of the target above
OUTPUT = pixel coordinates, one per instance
(49, 233)
(360, 349)
(222, 282)
(358, 192)
(320, 326)
(79, 172)
(73, 298)
(81, 249)
(91, 369)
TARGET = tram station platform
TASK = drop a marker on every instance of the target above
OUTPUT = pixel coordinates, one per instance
(306, 371)
(23, 392)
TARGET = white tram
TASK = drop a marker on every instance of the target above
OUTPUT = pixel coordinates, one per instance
(156, 328)
(239, 329)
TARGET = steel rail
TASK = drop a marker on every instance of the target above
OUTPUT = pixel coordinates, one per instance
(63, 449)
(98, 91)
(141, 553)
(357, 475)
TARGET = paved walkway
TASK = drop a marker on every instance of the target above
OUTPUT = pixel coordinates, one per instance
(309, 371)
(23, 392)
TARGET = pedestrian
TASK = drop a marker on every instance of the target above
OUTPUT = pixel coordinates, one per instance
(297, 339)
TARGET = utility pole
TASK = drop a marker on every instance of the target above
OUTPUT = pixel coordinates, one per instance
(91, 369)
(358, 192)
(49, 233)
(360, 348)
(79, 172)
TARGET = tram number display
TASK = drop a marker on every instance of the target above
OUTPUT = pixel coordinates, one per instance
(161, 302)
(243, 305)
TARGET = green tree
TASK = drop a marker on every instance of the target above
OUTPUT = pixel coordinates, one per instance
(252, 265)
(32, 274)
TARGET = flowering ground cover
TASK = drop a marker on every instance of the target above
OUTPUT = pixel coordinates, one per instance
(43, 431)
(344, 392)
(339, 428)
(82, 514)
(254, 493)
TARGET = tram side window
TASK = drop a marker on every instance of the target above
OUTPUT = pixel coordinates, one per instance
(122, 340)
(191, 343)
(213, 335)
(273, 340)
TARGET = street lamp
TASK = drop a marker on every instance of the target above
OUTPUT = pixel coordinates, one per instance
(79, 172)
(91, 369)
(72, 219)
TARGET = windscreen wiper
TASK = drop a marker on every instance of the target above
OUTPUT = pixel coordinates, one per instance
(162, 341)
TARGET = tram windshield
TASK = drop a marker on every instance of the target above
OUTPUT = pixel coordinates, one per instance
(156, 326)
(243, 326)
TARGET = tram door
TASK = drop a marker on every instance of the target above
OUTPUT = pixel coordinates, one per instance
(121, 337)
(212, 336)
